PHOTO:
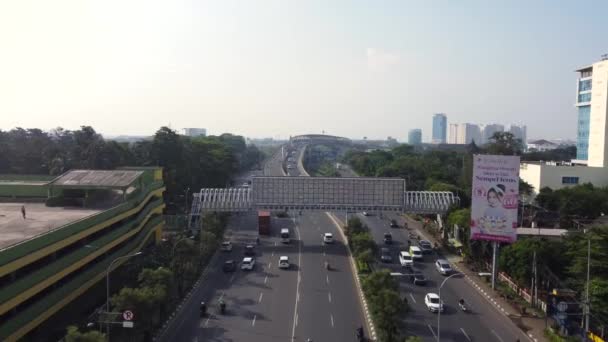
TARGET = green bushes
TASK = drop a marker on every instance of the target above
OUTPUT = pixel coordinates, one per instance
(361, 244)
(382, 293)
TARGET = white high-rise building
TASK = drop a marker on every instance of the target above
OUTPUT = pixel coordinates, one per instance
(195, 132)
(489, 130)
(453, 134)
(519, 132)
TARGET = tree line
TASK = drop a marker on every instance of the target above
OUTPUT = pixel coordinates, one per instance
(189, 162)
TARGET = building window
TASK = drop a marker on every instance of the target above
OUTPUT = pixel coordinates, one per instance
(569, 180)
(584, 85)
(586, 73)
(584, 97)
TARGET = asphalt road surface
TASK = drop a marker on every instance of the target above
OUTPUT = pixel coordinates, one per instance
(483, 323)
(271, 304)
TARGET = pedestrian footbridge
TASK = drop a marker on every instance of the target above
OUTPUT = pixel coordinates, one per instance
(321, 193)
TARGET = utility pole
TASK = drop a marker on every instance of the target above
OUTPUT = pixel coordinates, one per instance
(494, 263)
(587, 308)
(534, 287)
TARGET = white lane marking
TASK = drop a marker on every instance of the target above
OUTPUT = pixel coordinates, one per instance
(269, 264)
(221, 296)
(207, 321)
(232, 278)
(272, 254)
(327, 279)
(275, 243)
(265, 279)
(253, 322)
(495, 334)
(295, 309)
(332, 320)
(329, 296)
(413, 299)
(261, 296)
(465, 334)
(432, 332)
(323, 253)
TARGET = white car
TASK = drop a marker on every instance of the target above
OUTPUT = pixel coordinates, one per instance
(432, 302)
(290, 167)
(248, 264)
(416, 252)
(405, 259)
(284, 262)
(443, 266)
(328, 238)
(226, 246)
(365, 213)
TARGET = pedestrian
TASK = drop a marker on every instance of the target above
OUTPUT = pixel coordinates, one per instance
(23, 211)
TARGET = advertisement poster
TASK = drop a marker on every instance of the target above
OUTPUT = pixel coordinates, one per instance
(494, 198)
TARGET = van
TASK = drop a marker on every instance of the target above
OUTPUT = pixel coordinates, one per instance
(405, 259)
(416, 252)
(285, 235)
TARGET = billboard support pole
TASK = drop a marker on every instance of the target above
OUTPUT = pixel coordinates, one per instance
(494, 257)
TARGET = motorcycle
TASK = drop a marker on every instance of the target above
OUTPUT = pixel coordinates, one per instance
(222, 307)
(359, 334)
(462, 306)
(203, 309)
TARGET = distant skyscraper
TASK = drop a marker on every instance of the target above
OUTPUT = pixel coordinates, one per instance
(453, 134)
(440, 122)
(195, 132)
(414, 136)
(488, 132)
(468, 133)
(591, 101)
(519, 132)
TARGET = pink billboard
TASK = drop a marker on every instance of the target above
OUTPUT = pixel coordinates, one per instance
(494, 198)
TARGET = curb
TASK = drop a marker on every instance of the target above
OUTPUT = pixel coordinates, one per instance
(162, 331)
(370, 323)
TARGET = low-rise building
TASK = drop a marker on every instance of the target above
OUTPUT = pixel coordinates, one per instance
(560, 175)
(59, 237)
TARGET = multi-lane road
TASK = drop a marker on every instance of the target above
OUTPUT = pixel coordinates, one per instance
(304, 302)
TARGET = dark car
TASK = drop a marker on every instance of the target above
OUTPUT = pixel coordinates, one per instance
(385, 255)
(229, 266)
(249, 250)
(425, 246)
(394, 224)
(418, 278)
(388, 238)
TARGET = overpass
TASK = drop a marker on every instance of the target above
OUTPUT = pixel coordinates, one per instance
(321, 193)
(318, 138)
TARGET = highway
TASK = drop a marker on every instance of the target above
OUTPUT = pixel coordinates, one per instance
(272, 304)
(483, 323)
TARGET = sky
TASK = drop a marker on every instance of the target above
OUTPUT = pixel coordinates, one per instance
(287, 67)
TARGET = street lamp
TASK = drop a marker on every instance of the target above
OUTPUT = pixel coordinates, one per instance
(441, 306)
(108, 287)
(177, 243)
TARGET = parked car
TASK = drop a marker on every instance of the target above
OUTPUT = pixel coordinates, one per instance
(229, 266)
(443, 266)
(249, 250)
(388, 238)
(394, 224)
(284, 262)
(328, 238)
(385, 255)
(365, 213)
(418, 278)
(405, 259)
(226, 246)
(248, 264)
(425, 246)
(432, 302)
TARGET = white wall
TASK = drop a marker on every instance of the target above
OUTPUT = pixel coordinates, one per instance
(598, 125)
(542, 175)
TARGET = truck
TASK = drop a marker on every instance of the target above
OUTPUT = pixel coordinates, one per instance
(264, 222)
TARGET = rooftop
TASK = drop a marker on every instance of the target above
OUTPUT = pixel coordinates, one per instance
(39, 220)
(98, 178)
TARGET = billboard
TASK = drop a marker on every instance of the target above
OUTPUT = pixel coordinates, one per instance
(494, 198)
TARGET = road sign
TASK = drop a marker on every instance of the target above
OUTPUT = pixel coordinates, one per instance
(128, 315)
(562, 306)
(127, 324)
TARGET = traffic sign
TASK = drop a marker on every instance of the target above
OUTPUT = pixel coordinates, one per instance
(128, 315)
(127, 324)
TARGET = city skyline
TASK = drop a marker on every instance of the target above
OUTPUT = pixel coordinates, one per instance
(263, 71)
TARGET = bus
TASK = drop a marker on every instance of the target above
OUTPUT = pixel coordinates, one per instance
(285, 235)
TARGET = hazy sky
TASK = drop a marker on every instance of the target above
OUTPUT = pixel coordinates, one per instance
(278, 68)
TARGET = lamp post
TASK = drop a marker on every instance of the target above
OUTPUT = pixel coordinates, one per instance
(177, 243)
(441, 306)
(108, 287)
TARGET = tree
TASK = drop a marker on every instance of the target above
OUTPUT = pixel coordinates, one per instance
(413, 339)
(362, 242)
(504, 143)
(74, 335)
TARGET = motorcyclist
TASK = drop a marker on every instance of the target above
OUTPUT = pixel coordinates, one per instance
(203, 308)
(222, 306)
(327, 265)
(360, 332)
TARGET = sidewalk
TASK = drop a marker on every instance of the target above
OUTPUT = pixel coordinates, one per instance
(533, 326)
